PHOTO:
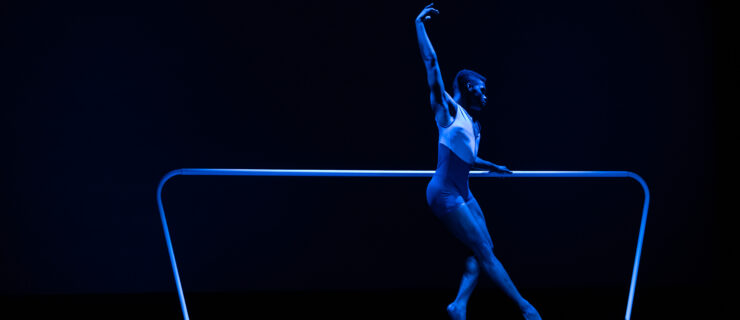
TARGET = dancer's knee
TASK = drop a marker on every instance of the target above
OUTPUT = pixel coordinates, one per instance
(471, 266)
(484, 252)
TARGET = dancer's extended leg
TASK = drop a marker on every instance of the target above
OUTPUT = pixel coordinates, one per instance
(466, 226)
(457, 309)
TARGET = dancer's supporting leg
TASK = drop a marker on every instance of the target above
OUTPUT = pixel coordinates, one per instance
(466, 226)
(457, 309)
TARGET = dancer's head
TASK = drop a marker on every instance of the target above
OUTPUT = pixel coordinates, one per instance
(469, 89)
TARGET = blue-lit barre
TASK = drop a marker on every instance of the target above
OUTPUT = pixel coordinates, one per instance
(401, 174)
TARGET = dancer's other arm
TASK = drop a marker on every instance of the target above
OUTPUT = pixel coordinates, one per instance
(490, 166)
(441, 102)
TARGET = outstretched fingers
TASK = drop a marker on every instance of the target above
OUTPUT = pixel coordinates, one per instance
(428, 11)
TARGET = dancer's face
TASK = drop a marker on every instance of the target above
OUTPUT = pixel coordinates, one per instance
(477, 92)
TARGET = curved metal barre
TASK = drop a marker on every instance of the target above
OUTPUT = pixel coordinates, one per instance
(402, 173)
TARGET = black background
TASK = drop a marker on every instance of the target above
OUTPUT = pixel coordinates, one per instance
(100, 100)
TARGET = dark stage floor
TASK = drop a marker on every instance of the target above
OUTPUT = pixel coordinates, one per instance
(665, 303)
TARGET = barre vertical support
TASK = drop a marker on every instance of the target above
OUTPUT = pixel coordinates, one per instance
(167, 238)
(401, 173)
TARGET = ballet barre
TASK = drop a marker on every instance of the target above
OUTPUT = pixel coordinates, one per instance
(401, 174)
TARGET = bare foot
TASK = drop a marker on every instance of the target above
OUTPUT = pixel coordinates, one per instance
(530, 313)
(456, 312)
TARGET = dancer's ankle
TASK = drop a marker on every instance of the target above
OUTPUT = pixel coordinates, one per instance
(525, 306)
(456, 305)
(456, 310)
(529, 312)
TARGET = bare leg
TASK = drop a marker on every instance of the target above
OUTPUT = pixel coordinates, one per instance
(496, 271)
(468, 226)
(457, 308)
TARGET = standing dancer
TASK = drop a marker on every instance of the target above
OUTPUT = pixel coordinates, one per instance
(448, 194)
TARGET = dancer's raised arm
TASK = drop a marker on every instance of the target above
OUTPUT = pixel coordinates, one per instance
(441, 101)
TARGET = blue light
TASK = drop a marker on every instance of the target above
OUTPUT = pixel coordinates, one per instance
(401, 174)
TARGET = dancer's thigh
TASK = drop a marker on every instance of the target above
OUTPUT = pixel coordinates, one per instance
(480, 218)
(463, 223)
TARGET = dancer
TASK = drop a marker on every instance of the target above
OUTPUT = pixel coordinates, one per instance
(448, 194)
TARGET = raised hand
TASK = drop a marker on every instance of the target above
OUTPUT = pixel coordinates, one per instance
(427, 13)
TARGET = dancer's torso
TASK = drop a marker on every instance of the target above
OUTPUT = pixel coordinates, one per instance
(456, 152)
